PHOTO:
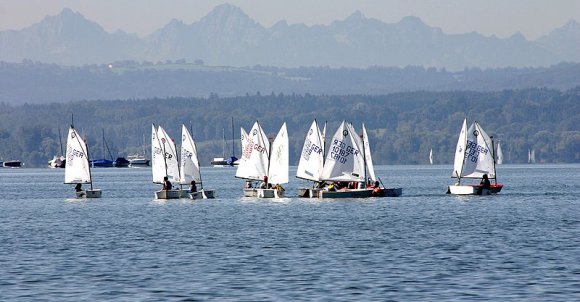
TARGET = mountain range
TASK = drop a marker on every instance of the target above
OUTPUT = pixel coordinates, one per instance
(229, 37)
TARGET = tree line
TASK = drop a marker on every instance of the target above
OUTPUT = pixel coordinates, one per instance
(403, 127)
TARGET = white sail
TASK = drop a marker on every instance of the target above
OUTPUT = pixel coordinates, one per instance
(312, 155)
(168, 147)
(344, 158)
(368, 156)
(431, 156)
(157, 157)
(533, 156)
(77, 159)
(279, 158)
(460, 151)
(499, 154)
(478, 154)
(189, 162)
(255, 154)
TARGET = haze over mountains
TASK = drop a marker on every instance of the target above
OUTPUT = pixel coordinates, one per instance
(227, 36)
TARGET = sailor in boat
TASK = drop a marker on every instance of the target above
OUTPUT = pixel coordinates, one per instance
(279, 188)
(192, 187)
(249, 184)
(79, 190)
(166, 184)
(485, 186)
(265, 184)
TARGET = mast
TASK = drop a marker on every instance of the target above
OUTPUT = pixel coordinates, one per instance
(493, 156)
(233, 140)
(60, 142)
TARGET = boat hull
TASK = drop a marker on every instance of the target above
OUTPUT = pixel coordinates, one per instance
(349, 193)
(387, 192)
(309, 192)
(168, 194)
(263, 193)
(473, 189)
(199, 194)
(94, 193)
(12, 164)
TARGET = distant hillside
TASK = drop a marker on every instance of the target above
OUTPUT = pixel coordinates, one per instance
(403, 127)
(229, 37)
(30, 82)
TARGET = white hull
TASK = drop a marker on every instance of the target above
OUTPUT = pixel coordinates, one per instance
(473, 190)
(263, 193)
(199, 194)
(168, 194)
(308, 192)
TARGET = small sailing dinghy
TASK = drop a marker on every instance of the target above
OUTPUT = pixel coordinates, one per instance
(345, 163)
(311, 161)
(262, 161)
(378, 187)
(164, 162)
(431, 157)
(474, 157)
(77, 169)
(190, 170)
(499, 156)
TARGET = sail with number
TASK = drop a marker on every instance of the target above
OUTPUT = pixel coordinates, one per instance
(164, 156)
(279, 158)
(312, 156)
(255, 154)
(189, 162)
(475, 153)
(344, 158)
(77, 159)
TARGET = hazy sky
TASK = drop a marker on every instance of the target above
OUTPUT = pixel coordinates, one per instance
(533, 18)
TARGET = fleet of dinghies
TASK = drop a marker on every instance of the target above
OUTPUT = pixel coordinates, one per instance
(341, 167)
(165, 164)
(262, 161)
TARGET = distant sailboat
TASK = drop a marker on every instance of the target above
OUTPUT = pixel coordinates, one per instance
(431, 156)
(499, 154)
(531, 156)
(78, 169)
(58, 161)
(223, 161)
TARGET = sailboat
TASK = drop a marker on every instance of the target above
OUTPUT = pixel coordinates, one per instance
(138, 160)
(431, 156)
(223, 161)
(190, 170)
(376, 182)
(474, 157)
(78, 169)
(164, 162)
(531, 156)
(103, 162)
(262, 161)
(311, 161)
(499, 156)
(345, 163)
(58, 161)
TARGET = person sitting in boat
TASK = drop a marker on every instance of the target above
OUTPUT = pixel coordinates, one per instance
(166, 184)
(331, 187)
(485, 185)
(279, 188)
(377, 190)
(192, 187)
(249, 184)
(79, 190)
(320, 184)
(265, 184)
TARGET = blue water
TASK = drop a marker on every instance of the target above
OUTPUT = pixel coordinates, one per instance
(520, 245)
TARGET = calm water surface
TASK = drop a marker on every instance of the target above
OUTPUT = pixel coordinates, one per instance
(522, 244)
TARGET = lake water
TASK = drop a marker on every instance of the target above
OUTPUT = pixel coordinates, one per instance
(520, 245)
